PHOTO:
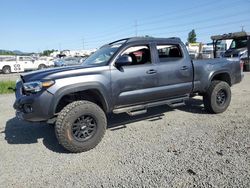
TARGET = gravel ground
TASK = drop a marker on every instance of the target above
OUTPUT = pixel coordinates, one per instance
(184, 147)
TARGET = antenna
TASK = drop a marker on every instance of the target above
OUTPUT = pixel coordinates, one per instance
(136, 27)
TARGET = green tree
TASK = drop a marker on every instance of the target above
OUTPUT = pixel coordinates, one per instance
(191, 36)
(47, 52)
(3, 52)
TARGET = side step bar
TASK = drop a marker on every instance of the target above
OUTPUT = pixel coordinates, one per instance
(142, 109)
(137, 112)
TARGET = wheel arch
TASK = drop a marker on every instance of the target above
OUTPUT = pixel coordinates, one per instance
(92, 92)
(221, 76)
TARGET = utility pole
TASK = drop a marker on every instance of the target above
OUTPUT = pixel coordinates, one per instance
(60, 46)
(242, 28)
(83, 43)
(136, 27)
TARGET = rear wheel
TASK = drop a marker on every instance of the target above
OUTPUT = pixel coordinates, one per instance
(218, 97)
(6, 69)
(80, 126)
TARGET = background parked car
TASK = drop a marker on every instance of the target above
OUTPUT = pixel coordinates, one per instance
(45, 62)
(69, 61)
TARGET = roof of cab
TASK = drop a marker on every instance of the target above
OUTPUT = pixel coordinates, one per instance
(141, 39)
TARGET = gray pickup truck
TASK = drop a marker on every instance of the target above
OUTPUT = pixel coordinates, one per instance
(125, 76)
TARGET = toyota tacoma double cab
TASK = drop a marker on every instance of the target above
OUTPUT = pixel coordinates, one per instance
(125, 76)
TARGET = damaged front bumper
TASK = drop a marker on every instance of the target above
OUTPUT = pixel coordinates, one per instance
(33, 107)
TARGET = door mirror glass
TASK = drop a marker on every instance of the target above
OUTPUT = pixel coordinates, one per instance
(124, 60)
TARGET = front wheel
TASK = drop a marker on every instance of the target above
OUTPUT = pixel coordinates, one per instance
(80, 126)
(218, 97)
(6, 69)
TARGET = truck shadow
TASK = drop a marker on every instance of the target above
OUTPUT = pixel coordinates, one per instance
(20, 132)
(194, 106)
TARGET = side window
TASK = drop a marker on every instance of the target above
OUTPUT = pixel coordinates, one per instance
(169, 52)
(139, 54)
(25, 59)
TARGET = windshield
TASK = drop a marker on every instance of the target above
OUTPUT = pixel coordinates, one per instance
(101, 57)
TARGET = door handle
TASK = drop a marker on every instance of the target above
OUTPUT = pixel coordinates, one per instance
(151, 71)
(184, 68)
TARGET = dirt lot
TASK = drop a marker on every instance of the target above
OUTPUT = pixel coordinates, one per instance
(182, 147)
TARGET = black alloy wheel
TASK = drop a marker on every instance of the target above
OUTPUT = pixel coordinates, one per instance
(84, 128)
(221, 97)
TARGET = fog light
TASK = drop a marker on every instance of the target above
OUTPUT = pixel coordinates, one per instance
(27, 108)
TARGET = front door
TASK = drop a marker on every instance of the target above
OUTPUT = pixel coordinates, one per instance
(134, 83)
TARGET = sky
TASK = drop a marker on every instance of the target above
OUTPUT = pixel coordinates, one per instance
(36, 25)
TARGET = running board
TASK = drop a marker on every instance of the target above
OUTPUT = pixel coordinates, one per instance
(177, 104)
(137, 112)
(141, 109)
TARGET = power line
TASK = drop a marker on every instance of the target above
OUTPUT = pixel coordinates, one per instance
(195, 9)
(127, 30)
(190, 15)
(177, 11)
(191, 23)
(205, 27)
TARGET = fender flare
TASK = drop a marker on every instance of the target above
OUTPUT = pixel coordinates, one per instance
(213, 74)
(80, 87)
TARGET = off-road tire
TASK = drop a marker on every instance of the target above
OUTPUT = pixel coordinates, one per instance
(6, 69)
(69, 115)
(210, 98)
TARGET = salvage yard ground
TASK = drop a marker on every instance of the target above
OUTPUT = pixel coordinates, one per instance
(181, 147)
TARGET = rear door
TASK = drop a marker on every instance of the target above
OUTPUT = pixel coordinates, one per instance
(135, 83)
(175, 71)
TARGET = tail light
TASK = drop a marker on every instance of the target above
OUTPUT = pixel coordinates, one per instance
(241, 65)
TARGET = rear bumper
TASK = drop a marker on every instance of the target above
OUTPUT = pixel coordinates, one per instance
(34, 107)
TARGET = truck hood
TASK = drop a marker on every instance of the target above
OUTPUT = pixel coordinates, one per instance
(53, 73)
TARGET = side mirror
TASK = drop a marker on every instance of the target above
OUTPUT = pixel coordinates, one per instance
(123, 60)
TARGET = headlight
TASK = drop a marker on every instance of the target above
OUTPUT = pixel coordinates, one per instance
(37, 86)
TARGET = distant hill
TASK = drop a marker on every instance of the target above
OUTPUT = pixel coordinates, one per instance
(14, 52)
(17, 52)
